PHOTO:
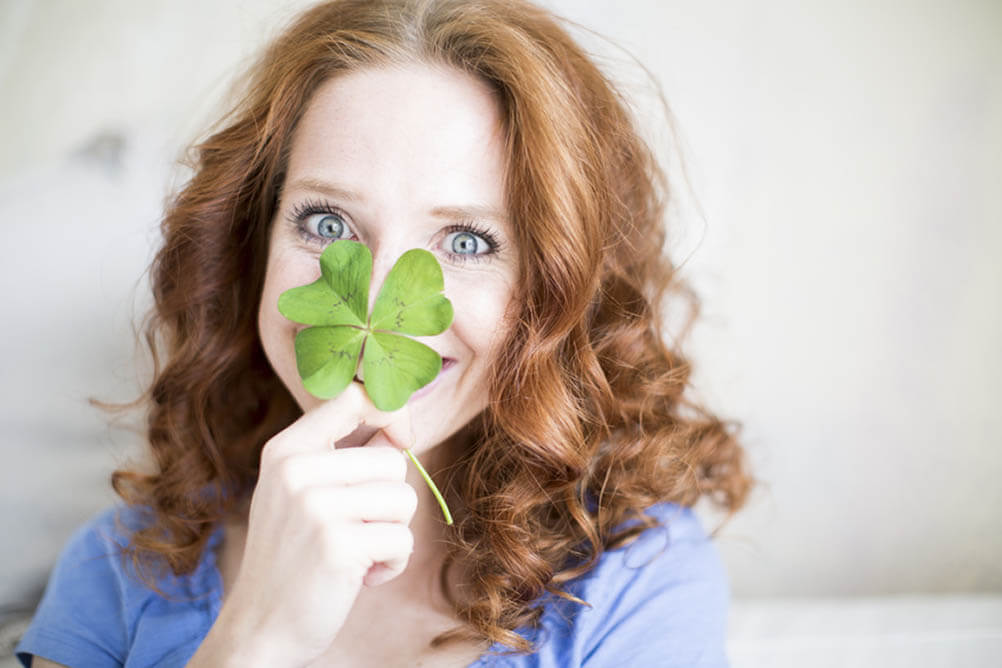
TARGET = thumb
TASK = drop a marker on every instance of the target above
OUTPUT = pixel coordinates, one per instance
(397, 432)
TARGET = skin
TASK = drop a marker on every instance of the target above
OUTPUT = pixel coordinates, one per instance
(405, 154)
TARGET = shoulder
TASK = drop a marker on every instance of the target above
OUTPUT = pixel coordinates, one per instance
(675, 555)
(95, 601)
(93, 568)
(89, 583)
(660, 601)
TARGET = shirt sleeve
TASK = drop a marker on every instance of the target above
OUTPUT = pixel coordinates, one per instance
(668, 605)
(80, 621)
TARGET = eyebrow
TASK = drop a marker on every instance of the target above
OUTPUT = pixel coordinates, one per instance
(486, 213)
(326, 188)
(474, 211)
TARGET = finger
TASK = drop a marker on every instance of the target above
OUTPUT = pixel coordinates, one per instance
(350, 466)
(379, 574)
(336, 418)
(368, 502)
(398, 432)
(386, 543)
(321, 426)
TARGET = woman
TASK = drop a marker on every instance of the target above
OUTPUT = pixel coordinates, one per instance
(557, 427)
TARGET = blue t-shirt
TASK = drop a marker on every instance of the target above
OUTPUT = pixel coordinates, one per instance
(661, 601)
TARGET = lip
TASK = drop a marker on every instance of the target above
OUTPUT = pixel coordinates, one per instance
(447, 363)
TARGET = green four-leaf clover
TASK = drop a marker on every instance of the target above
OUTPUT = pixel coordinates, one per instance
(336, 306)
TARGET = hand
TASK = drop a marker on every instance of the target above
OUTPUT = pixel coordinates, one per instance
(322, 523)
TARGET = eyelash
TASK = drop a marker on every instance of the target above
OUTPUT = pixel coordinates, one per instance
(311, 207)
(308, 208)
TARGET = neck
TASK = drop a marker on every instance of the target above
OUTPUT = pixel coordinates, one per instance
(429, 527)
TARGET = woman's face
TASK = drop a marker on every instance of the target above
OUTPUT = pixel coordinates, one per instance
(400, 158)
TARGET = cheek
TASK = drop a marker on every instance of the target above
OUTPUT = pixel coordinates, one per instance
(482, 321)
(285, 270)
(290, 268)
(276, 333)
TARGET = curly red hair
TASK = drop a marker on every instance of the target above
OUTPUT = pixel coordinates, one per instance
(588, 422)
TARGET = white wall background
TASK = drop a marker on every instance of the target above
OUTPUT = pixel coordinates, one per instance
(847, 160)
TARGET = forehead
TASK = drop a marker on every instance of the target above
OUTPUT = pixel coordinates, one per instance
(428, 136)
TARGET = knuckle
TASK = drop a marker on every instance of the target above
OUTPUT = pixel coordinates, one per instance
(271, 453)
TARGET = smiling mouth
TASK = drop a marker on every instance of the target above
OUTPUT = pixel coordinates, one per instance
(447, 363)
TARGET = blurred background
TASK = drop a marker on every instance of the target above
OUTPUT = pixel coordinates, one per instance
(839, 177)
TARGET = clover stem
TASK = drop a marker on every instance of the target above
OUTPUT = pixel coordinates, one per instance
(432, 486)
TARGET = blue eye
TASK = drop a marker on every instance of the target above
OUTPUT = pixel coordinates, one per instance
(330, 226)
(466, 243)
(320, 222)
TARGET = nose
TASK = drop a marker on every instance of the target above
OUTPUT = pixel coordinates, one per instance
(382, 262)
(384, 256)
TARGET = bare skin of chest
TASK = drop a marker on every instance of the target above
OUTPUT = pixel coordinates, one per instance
(396, 633)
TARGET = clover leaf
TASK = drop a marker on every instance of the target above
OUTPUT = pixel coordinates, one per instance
(336, 306)
(410, 302)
